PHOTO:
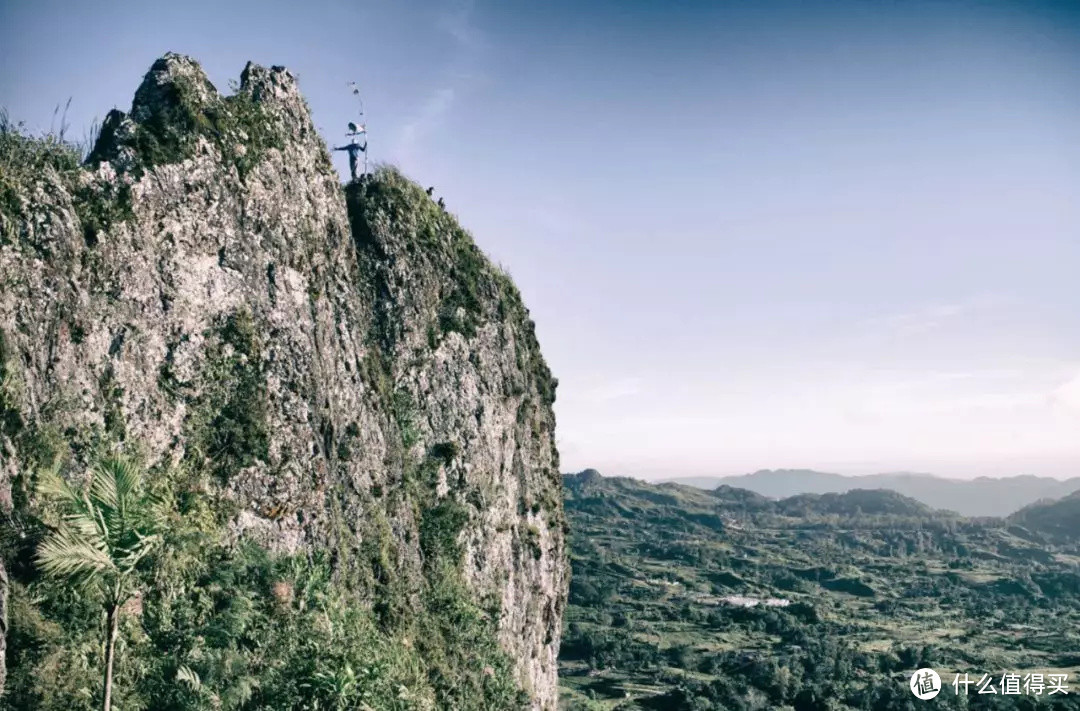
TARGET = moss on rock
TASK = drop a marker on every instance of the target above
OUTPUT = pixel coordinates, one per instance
(228, 427)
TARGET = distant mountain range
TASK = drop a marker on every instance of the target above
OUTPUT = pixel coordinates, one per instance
(983, 496)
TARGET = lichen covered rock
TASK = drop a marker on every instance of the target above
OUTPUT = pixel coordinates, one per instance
(355, 374)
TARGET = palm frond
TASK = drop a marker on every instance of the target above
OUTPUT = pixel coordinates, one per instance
(129, 478)
(140, 546)
(189, 677)
(108, 527)
(113, 481)
(50, 484)
(66, 554)
(86, 524)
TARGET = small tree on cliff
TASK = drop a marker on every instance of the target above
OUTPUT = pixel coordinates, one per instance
(106, 528)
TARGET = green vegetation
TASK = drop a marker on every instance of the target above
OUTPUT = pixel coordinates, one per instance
(689, 599)
(473, 292)
(181, 114)
(1058, 520)
(198, 621)
(103, 534)
(387, 196)
(23, 160)
(101, 207)
(10, 420)
(228, 428)
(392, 216)
(439, 529)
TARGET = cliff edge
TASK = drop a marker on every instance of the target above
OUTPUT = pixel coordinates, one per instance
(353, 375)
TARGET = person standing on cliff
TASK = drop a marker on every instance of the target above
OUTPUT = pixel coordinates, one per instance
(354, 147)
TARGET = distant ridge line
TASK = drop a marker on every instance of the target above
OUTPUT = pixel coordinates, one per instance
(982, 496)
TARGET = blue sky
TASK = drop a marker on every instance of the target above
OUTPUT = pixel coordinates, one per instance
(840, 235)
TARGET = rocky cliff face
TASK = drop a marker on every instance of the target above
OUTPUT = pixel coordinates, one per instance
(345, 362)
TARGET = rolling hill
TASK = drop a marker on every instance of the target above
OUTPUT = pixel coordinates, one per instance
(983, 496)
(1059, 520)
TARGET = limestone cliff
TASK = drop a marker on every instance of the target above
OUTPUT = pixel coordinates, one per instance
(205, 288)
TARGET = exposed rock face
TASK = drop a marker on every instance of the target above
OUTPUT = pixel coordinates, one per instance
(208, 290)
(3, 625)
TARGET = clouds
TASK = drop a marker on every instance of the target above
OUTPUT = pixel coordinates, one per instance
(956, 387)
(1067, 394)
(456, 21)
(459, 69)
(425, 120)
(935, 316)
(619, 389)
(987, 394)
(987, 419)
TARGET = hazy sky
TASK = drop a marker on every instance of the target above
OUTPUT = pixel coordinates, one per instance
(840, 235)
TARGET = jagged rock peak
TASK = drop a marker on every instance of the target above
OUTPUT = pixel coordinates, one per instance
(347, 366)
(177, 113)
(161, 87)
